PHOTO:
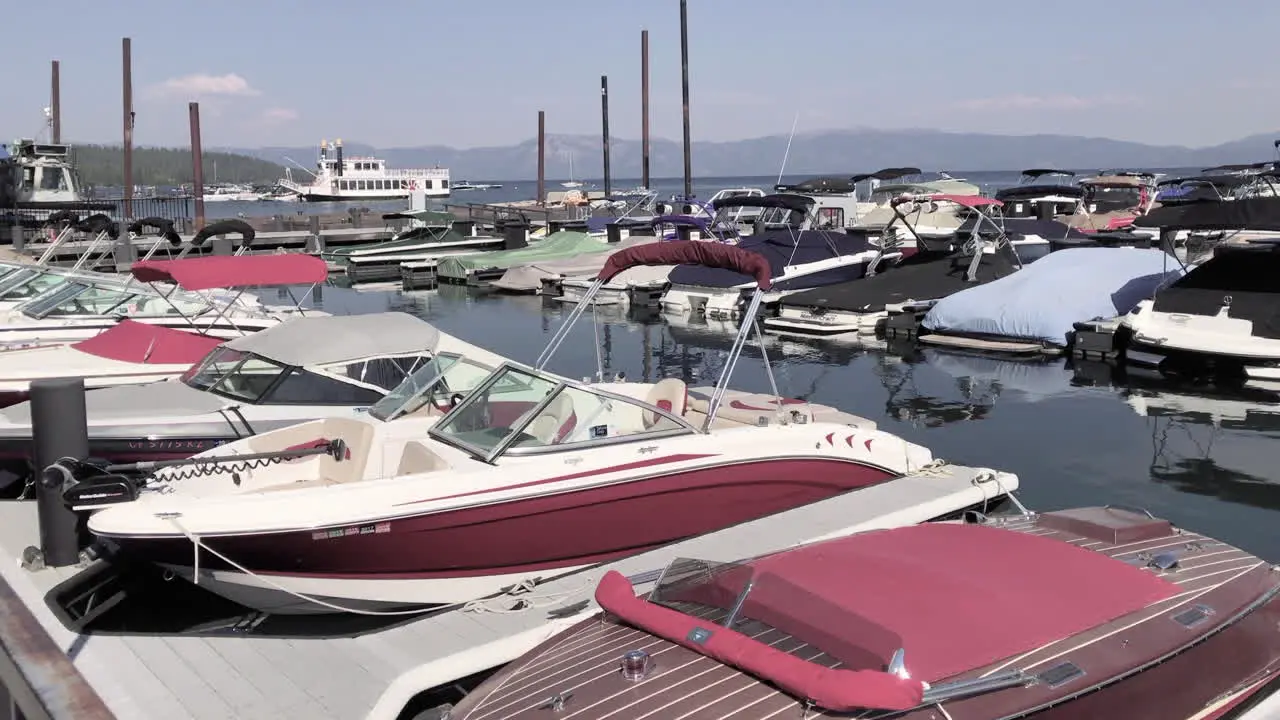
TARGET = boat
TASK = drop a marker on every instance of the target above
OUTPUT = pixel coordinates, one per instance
(37, 179)
(341, 179)
(300, 370)
(930, 220)
(534, 276)
(571, 183)
(1220, 318)
(800, 259)
(528, 476)
(229, 192)
(465, 185)
(1097, 612)
(1114, 198)
(132, 352)
(429, 237)
(930, 271)
(486, 267)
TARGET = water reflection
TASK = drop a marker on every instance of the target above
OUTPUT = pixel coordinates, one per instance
(1074, 432)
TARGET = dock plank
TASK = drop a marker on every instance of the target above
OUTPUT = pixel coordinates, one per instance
(374, 675)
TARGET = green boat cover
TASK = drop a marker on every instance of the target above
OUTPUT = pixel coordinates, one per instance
(557, 246)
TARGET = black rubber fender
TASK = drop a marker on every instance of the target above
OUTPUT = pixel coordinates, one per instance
(59, 217)
(164, 228)
(97, 223)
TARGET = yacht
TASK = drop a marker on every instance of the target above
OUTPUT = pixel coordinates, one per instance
(229, 193)
(38, 179)
(342, 178)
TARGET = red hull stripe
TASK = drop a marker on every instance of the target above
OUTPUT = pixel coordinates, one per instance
(667, 459)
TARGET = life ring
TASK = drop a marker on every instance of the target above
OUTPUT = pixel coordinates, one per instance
(413, 184)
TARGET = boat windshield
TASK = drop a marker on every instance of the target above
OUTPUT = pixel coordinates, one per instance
(518, 410)
(254, 379)
(28, 283)
(440, 383)
(234, 374)
(79, 298)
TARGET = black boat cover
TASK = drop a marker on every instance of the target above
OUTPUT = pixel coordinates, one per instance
(1249, 213)
(819, 185)
(1030, 192)
(923, 276)
(1041, 172)
(892, 173)
(781, 248)
(796, 203)
(1245, 279)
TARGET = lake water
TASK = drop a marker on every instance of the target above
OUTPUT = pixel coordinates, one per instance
(1073, 435)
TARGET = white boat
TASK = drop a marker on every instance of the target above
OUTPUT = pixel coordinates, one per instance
(300, 370)
(132, 352)
(530, 475)
(231, 193)
(363, 178)
(1221, 318)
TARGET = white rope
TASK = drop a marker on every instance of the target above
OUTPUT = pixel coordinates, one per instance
(524, 599)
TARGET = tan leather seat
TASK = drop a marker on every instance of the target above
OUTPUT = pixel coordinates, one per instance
(670, 395)
(550, 422)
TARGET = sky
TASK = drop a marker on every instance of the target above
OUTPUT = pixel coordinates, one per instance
(400, 73)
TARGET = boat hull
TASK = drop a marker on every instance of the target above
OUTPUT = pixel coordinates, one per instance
(466, 553)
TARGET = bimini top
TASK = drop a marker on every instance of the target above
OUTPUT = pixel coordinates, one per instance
(927, 589)
(1246, 214)
(797, 203)
(220, 272)
(307, 341)
(835, 185)
(691, 252)
(1030, 192)
(891, 173)
(969, 201)
(135, 342)
(1041, 172)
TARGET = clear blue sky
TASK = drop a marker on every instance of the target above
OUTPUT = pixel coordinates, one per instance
(475, 72)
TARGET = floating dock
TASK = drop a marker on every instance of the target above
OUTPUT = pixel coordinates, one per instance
(52, 672)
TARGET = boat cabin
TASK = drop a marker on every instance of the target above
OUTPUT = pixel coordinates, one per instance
(37, 173)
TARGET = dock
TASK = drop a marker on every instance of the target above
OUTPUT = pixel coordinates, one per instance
(387, 673)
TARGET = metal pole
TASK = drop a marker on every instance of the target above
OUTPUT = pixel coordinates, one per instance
(684, 90)
(127, 51)
(644, 108)
(197, 164)
(604, 122)
(542, 157)
(59, 429)
(55, 103)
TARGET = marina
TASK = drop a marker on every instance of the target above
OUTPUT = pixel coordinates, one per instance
(868, 438)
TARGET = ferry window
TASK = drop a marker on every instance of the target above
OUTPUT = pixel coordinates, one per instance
(28, 177)
(380, 184)
(429, 184)
(363, 185)
(444, 184)
(308, 388)
(830, 217)
(52, 178)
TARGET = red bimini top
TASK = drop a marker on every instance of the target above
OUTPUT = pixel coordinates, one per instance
(135, 342)
(691, 252)
(232, 271)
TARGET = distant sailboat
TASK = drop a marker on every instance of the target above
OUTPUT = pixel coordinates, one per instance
(571, 183)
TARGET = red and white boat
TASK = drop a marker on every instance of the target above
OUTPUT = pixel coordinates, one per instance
(1084, 613)
(528, 476)
(133, 352)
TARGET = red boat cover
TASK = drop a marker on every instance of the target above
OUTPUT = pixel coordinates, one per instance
(135, 342)
(205, 273)
(691, 252)
(838, 690)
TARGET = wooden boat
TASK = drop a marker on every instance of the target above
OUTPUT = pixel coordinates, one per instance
(1085, 613)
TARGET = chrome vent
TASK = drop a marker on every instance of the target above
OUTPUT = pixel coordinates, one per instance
(1060, 674)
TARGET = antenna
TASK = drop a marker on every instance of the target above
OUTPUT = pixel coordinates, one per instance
(787, 153)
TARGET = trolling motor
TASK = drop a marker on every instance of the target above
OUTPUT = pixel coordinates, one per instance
(90, 484)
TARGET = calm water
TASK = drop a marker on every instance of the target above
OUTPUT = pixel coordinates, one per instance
(1071, 442)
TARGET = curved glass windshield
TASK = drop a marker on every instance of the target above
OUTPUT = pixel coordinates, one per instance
(519, 409)
(74, 298)
(232, 373)
(439, 383)
(25, 284)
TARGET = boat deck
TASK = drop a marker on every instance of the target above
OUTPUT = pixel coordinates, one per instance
(375, 675)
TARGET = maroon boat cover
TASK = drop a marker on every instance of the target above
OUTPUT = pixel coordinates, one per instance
(205, 273)
(135, 342)
(691, 252)
(838, 690)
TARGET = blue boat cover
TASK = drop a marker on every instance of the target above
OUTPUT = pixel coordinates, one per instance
(781, 248)
(1044, 300)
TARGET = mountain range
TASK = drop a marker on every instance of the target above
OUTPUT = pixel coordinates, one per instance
(838, 152)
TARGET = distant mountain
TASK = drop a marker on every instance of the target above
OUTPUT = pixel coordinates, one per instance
(836, 152)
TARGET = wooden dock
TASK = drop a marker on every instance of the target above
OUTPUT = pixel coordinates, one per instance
(377, 675)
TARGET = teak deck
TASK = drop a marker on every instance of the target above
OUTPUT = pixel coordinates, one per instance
(166, 677)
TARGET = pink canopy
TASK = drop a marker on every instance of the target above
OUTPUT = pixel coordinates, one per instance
(205, 273)
(691, 252)
(135, 342)
(969, 201)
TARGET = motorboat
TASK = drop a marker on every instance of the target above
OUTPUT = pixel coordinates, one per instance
(799, 259)
(1220, 318)
(932, 270)
(1097, 612)
(131, 352)
(299, 370)
(528, 476)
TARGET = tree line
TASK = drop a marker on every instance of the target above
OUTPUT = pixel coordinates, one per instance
(104, 165)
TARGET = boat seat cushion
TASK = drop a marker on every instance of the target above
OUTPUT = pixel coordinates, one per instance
(553, 423)
(670, 395)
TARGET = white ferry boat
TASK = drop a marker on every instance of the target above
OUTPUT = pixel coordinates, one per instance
(363, 178)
